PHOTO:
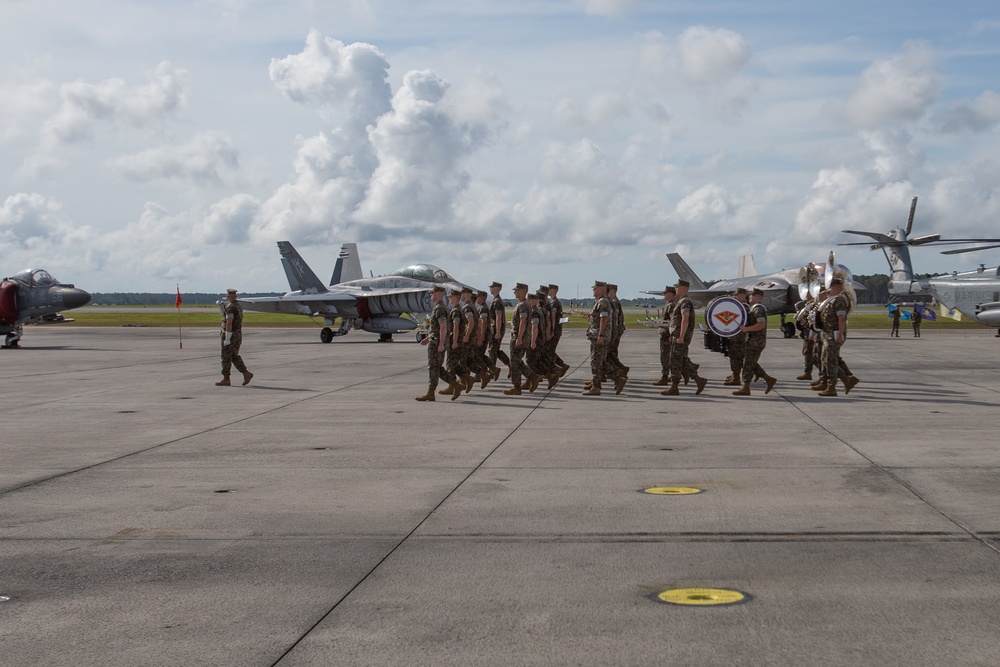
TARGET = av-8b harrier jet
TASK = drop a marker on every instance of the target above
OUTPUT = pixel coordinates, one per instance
(33, 295)
(375, 304)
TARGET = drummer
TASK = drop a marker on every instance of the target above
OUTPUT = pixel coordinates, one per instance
(737, 344)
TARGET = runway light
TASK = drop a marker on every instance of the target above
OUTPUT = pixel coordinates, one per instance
(672, 490)
(702, 596)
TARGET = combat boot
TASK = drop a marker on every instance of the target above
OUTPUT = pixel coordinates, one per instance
(701, 382)
(533, 381)
(247, 376)
(743, 391)
(818, 384)
(831, 389)
(224, 382)
(594, 390)
(804, 376)
(484, 378)
(732, 381)
(429, 396)
(673, 391)
(849, 382)
(496, 372)
(769, 383)
(620, 384)
(469, 381)
(662, 382)
(456, 389)
(553, 378)
(685, 377)
(626, 369)
(513, 391)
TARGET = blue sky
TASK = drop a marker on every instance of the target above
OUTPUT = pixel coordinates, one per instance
(145, 144)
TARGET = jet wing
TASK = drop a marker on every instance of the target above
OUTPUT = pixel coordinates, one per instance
(335, 304)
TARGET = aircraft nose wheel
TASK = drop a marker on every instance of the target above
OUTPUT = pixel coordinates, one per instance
(788, 329)
(326, 335)
(421, 336)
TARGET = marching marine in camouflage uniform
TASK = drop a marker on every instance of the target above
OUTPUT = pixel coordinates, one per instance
(437, 335)
(755, 329)
(232, 337)
(599, 332)
(472, 360)
(482, 338)
(833, 315)
(557, 327)
(456, 350)
(618, 316)
(682, 331)
(669, 294)
(519, 324)
(498, 325)
(802, 321)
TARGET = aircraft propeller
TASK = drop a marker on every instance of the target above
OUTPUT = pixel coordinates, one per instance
(897, 238)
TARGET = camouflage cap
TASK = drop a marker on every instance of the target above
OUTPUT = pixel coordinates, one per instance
(533, 295)
(467, 290)
(438, 288)
(520, 286)
(496, 284)
(231, 291)
(758, 291)
(481, 294)
(683, 283)
(670, 288)
(612, 286)
(455, 293)
(600, 283)
(552, 287)
(543, 289)
(741, 290)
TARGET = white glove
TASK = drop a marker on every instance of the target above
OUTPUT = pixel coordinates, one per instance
(836, 336)
(229, 338)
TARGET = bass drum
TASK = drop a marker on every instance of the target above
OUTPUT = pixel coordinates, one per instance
(724, 315)
(8, 302)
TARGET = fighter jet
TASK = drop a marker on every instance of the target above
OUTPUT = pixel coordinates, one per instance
(975, 294)
(33, 295)
(782, 289)
(380, 304)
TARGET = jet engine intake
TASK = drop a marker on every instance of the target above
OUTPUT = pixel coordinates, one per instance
(8, 302)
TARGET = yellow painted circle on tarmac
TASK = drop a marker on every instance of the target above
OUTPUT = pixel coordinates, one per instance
(672, 490)
(702, 596)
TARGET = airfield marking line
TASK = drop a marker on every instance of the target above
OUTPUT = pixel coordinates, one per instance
(406, 537)
(888, 473)
(202, 432)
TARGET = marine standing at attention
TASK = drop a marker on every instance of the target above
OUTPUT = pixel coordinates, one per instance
(755, 329)
(232, 338)
(618, 315)
(669, 294)
(895, 314)
(915, 318)
(437, 336)
(833, 316)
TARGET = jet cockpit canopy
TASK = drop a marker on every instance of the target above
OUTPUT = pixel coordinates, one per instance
(425, 272)
(35, 278)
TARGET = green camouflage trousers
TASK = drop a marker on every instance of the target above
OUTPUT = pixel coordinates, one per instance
(231, 355)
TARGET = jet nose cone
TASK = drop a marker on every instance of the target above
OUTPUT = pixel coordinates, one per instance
(74, 298)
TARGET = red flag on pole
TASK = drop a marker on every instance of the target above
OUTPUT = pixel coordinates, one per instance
(177, 304)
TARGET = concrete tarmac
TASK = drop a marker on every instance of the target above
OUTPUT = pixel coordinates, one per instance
(321, 516)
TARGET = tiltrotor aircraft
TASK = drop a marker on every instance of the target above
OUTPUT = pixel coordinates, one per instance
(782, 289)
(975, 294)
(377, 304)
(33, 295)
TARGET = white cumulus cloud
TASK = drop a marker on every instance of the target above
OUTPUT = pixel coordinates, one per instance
(204, 160)
(897, 89)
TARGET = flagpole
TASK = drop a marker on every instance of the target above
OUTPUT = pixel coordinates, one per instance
(180, 336)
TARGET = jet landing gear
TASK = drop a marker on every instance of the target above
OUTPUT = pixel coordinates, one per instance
(13, 338)
(326, 335)
(385, 338)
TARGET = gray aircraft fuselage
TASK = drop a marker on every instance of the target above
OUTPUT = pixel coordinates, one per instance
(30, 296)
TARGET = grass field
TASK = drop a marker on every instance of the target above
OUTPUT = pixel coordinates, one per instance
(863, 318)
